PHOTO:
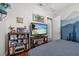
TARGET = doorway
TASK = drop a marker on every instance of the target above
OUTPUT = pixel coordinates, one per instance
(50, 29)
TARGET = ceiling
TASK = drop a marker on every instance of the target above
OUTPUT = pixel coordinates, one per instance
(62, 9)
(56, 6)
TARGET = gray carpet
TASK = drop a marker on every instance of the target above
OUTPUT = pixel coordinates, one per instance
(56, 48)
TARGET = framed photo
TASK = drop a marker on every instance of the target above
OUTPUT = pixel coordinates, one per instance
(20, 30)
(38, 18)
(19, 19)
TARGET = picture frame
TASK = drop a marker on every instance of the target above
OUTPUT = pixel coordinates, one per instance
(20, 30)
(38, 18)
(19, 19)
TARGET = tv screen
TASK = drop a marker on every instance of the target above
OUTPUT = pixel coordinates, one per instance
(38, 28)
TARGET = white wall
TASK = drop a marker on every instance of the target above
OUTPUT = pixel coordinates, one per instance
(22, 10)
(2, 38)
(25, 11)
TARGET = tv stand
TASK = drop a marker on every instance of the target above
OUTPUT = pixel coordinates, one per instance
(38, 40)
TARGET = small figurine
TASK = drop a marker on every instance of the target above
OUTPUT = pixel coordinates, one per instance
(25, 29)
(12, 29)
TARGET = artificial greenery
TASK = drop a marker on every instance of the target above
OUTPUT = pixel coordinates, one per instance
(3, 11)
(4, 6)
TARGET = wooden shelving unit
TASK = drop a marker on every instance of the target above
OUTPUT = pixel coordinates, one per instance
(17, 43)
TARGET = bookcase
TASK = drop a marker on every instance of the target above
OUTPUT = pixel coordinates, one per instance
(38, 40)
(17, 43)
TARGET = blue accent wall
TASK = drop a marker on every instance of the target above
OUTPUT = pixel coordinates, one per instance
(70, 29)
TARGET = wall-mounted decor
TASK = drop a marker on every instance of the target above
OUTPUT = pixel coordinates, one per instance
(49, 18)
(12, 29)
(19, 19)
(70, 28)
(3, 11)
(38, 18)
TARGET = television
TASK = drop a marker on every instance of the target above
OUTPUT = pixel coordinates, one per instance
(38, 29)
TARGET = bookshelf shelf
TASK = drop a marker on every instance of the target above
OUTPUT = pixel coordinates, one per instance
(17, 43)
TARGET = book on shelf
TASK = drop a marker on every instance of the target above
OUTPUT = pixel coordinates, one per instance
(13, 37)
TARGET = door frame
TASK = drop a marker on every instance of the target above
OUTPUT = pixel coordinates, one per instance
(49, 18)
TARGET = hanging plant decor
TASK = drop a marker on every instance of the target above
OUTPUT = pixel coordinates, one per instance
(3, 10)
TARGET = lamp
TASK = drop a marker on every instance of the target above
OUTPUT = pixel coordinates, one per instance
(3, 12)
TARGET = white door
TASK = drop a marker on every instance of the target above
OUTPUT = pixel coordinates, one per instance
(56, 28)
(50, 30)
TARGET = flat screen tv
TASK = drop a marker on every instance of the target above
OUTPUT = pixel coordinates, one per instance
(38, 29)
